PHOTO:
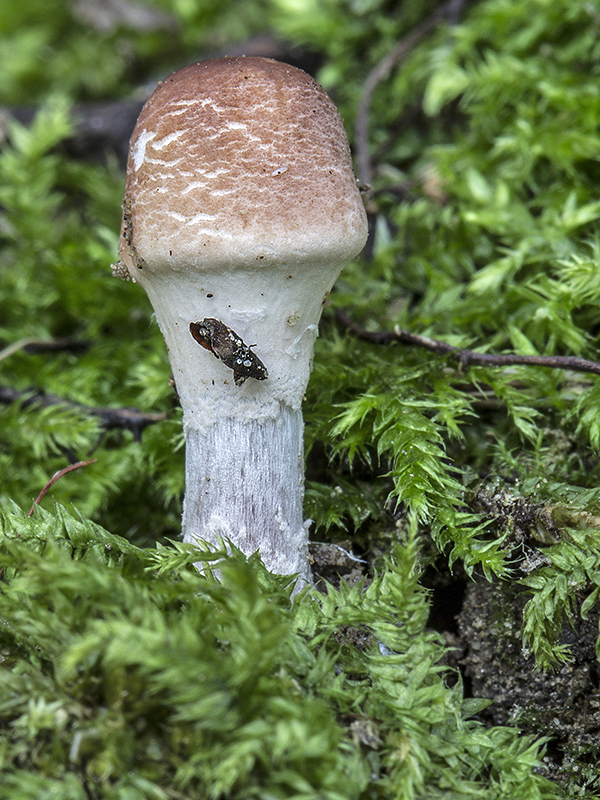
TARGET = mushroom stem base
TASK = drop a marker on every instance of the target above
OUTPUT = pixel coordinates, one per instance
(245, 482)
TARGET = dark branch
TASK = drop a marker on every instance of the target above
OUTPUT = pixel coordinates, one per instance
(447, 11)
(466, 357)
(67, 345)
(32, 345)
(127, 418)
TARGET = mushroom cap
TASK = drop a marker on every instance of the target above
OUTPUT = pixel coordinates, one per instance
(239, 161)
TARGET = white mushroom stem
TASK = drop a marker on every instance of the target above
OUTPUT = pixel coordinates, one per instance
(244, 481)
(244, 444)
(240, 210)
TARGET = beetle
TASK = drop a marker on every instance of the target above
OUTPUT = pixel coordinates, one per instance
(228, 347)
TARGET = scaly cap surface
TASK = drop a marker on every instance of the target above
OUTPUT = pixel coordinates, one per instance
(239, 159)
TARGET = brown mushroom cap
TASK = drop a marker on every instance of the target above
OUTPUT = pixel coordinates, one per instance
(239, 160)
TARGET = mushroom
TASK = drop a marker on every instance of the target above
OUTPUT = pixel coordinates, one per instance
(240, 210)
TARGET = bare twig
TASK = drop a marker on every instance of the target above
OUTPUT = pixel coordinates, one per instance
(466, 357)
(35, 345)
(381, 71)
(54, 478)
(13, 348)
(128, 418)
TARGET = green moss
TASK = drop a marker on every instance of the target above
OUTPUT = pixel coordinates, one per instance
(125, 673)
(484, 144)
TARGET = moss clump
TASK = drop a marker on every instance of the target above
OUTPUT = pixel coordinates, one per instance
(483, 148)
(125, 673)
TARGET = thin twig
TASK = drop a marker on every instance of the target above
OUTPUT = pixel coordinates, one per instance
(128, 418)
(380, 72)
(35, 345)
(466, 357)
(13, 348)
(56, 477)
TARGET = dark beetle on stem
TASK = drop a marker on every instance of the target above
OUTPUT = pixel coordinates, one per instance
(227, 346)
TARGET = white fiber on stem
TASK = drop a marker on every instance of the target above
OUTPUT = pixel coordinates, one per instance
(244, 482)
